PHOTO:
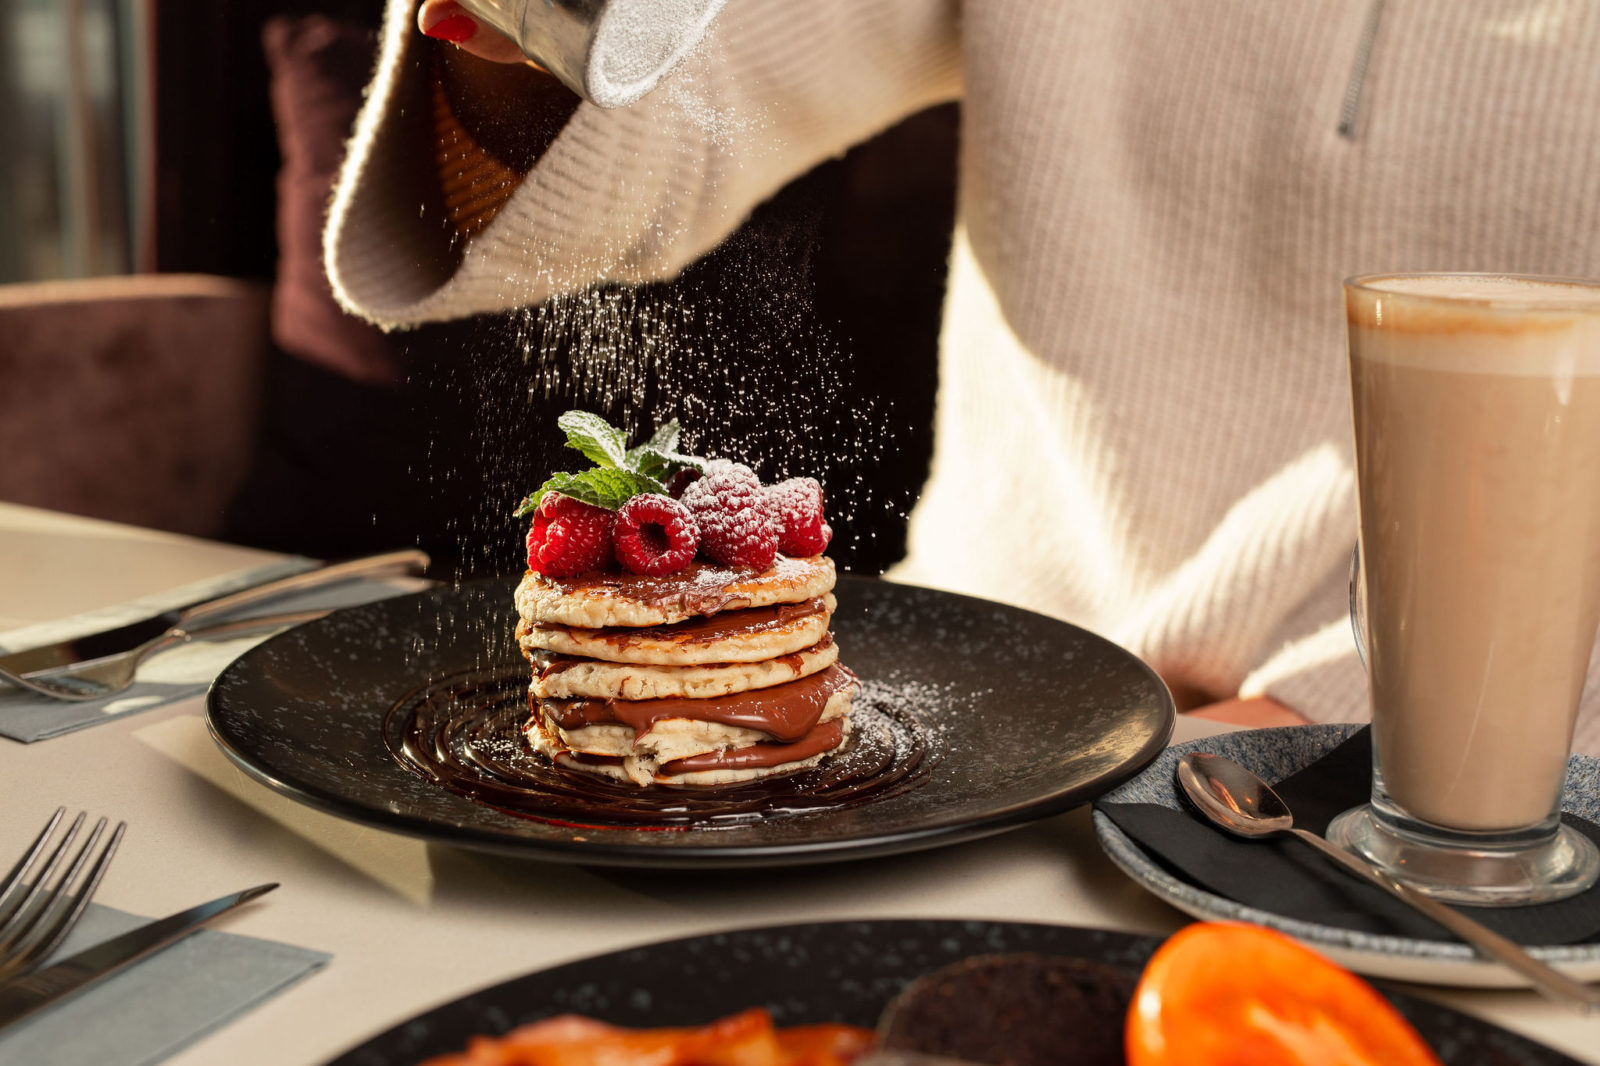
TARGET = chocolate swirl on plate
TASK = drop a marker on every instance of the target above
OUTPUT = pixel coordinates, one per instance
(464, 733)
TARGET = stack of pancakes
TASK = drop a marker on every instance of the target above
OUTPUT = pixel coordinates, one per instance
(709, 676)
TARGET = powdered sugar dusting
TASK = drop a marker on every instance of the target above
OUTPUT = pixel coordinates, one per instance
(638, 41)
(907, 699)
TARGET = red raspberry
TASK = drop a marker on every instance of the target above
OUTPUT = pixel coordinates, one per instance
(681, 479)
(796, 507)
(735, 529)
(655, 535)
(569, 537)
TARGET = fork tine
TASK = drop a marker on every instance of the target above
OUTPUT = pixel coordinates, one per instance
(55, 916)
(11, 885)
(17, 921)
(66, 910)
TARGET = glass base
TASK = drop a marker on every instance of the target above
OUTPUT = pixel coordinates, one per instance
(1463, 869)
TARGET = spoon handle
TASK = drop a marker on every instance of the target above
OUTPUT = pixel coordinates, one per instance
(1551, 982)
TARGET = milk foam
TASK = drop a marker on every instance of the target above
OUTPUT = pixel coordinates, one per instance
(1478, 324)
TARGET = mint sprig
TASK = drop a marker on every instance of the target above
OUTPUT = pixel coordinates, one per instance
(659, 457)
(599, 486)
(620, 473)
(600, 442)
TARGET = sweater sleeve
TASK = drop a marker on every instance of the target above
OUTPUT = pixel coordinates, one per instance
(637, 193)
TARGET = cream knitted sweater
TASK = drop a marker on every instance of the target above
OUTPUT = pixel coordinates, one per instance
(1143, 419)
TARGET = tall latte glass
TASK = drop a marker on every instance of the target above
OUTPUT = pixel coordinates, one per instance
(1477, 429)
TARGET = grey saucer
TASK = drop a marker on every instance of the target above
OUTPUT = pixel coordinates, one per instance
(1275, 754)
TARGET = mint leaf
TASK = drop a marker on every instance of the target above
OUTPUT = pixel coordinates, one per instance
(659, 457)
(660, 464)
(599, 441)
(601, 486)
(620, 473)
(665, 439)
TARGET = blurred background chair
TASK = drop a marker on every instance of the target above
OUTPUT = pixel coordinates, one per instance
(131, 398)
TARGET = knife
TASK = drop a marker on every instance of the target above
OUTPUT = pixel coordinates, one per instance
(115, 641)
(23, 995)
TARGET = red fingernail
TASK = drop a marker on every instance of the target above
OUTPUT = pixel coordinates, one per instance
(456, 28)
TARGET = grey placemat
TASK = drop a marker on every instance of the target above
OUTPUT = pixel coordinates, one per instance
(159, 1005)
(173, 675)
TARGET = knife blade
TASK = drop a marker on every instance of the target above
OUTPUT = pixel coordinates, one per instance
(115, 641)
(21, 996)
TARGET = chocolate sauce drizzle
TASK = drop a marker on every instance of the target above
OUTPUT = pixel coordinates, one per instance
(463, 732)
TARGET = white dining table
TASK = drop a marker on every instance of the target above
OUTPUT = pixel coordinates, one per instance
(412, 924)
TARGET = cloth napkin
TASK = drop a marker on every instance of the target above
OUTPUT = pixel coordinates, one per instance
(1284, 876)
(175, 674)
(159, 1005)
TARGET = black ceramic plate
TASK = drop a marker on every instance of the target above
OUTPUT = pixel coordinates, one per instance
(1030, 717)
(830, 972)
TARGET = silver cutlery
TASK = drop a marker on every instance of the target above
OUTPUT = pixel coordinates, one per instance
(1240, 802)
(124, 638)
(23, 995)
(36, 916)
(101, 678)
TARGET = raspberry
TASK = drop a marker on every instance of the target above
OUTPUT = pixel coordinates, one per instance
(681, 479)
(735, 529)
(569, 537)
(655, 535)
(796, 507)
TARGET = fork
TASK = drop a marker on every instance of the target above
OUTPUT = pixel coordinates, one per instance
(33, 919)
(104, 677)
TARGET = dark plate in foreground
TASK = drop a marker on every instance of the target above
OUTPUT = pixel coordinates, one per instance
(1033, 717)
(829, 972)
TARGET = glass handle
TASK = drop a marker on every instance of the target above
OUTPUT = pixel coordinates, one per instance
(1358, 605)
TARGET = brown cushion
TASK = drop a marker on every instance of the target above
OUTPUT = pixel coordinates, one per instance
(318, 66)
(135, 397)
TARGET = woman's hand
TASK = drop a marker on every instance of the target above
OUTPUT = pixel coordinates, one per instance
(449, 21)
(1255, 712)
(509, 106)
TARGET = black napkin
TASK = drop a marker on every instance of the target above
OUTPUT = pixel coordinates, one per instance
(1286, 877)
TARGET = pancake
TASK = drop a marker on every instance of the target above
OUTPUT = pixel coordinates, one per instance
(719, 766)
(641, 735)
(565, 677)
(745, 636)
(676, 738)
(600, 599)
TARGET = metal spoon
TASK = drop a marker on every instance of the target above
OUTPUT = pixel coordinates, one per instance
(1243, 804)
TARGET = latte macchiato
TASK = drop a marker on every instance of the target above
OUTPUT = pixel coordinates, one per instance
(1477, 424)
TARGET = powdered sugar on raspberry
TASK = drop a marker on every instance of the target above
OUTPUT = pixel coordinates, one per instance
(731, 510)
(795, 508)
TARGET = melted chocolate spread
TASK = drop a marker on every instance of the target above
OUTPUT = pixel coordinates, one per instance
(823, 737)
(710, 629)
(464, 733)
(784, 712)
